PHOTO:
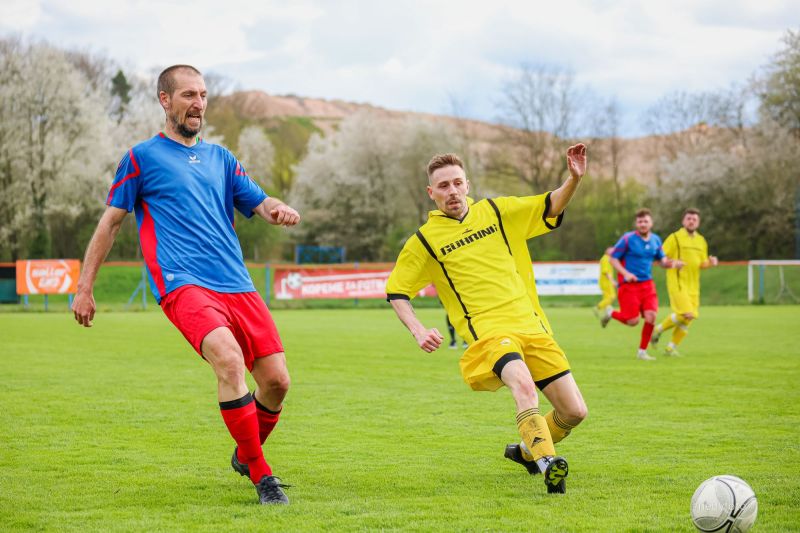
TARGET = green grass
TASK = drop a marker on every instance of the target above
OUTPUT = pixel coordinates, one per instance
(116, 428)
(724, 285)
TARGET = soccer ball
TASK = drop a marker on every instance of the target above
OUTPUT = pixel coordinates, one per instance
(724, 503)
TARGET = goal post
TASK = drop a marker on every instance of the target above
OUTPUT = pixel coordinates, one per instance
(767, 276)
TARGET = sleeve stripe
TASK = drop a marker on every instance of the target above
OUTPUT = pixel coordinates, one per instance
(559, 218)
(133, 174)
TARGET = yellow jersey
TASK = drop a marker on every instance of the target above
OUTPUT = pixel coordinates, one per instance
(605, 270)
(480, 265)
(693, 251)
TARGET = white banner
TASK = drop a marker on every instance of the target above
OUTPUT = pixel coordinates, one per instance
(567, 278)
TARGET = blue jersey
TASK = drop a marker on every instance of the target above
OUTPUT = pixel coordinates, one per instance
(637, 255)
(184, 198)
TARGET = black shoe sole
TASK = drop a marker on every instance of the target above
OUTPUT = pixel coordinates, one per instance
(514, 453)
(555, 476)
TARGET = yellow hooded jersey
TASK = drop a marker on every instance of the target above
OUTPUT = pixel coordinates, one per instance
(480, 265)
(693, 251)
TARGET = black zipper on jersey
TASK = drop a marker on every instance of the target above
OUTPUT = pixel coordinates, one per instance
(450, 281)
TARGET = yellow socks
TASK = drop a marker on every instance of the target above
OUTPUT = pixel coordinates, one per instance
(535, 434)
(670, 322)
(558, 428)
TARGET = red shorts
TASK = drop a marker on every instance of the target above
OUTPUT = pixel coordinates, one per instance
(196, 311)
(637, 297)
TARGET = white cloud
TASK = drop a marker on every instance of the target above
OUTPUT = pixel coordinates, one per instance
(413, 54)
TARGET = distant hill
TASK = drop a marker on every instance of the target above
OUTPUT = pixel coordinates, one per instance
(639, 156)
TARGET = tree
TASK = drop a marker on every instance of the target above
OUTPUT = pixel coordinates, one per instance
(780, 88)
(539, 105)
(256, 153)
(363, 187)
(610, 147)
(54, 143)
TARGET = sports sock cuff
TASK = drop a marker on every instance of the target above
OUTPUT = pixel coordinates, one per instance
(235, 404)
(262, 407)
(522, 415)
(560, 422)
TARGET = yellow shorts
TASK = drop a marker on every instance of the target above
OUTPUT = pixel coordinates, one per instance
(540, 352)
(681, 302)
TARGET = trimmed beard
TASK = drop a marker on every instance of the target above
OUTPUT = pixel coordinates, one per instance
(184, 130)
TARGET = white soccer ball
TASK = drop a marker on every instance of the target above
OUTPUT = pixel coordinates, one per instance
(724, 503)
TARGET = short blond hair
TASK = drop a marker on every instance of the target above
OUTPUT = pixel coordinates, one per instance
(443, 160)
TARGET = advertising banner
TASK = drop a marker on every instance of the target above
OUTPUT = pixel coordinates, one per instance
(566, 278)
(309, 283)
(48, 276)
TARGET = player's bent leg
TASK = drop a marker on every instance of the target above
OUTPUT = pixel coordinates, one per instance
(569, 408)
(531, 425)
(272, 380)
(236, 403)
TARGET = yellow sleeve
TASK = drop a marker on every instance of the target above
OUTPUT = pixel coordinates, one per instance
(410, 273)
(705, 251)
(605, 265)
(526, 215)
(670, 246)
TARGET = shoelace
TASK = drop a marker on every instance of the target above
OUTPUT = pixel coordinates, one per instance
(271, 488)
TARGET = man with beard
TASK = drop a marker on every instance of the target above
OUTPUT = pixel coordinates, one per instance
(633, 257)
(476, 255)
(183, 191)
(683, 284)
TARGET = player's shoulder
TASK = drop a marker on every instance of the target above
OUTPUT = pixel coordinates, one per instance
(147, 145)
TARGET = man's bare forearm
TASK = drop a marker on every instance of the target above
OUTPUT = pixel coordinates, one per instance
(405, 312)
(560, 198)
(97, 251)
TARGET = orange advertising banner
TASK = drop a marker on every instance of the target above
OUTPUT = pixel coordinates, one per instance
(48, 276)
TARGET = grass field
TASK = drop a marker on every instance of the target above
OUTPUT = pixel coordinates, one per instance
(117, 428)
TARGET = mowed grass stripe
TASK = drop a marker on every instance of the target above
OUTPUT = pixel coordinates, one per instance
(117, 428)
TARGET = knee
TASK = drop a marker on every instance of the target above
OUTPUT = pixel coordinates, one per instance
(525, 390)
(229, 368)
(277, 384)
(688, 317)
(632, 321)
(575, 414)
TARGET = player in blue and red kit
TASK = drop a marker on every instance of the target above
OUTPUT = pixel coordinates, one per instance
(633, 258)
(184, 191)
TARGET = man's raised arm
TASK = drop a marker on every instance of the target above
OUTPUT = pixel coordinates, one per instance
(427, 339)
(83, 305)
(576, 163)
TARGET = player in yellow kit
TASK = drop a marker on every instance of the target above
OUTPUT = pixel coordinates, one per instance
(683, 284)
(607, 283)
(476, 255)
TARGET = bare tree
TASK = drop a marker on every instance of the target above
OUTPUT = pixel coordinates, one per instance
(779, 89)
(539, 105)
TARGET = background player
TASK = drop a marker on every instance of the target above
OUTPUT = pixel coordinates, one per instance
(683, 284)
(477, 257)
(607, 284)
(633, 258)
(184, 191)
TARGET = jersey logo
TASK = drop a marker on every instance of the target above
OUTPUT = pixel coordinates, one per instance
(505, 342)
(480, 234)
(193, 159)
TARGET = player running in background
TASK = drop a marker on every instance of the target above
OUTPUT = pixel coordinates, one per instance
(683, 284)
(476, 255)
(452, 331)
(633, 258)
(183, 191)
(607, 284)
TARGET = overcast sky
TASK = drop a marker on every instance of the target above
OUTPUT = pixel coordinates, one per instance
(422, 55)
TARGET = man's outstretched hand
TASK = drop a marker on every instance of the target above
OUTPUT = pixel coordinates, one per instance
(576, 160)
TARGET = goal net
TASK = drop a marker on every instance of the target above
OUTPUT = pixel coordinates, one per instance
(773, 281)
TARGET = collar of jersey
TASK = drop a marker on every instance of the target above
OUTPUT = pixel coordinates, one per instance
(438, 213)
(198, 140)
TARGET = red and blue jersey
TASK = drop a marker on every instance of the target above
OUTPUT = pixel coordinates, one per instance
(637, 255)
(184, 198)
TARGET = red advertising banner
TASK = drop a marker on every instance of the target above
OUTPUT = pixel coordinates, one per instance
(48, 276)
(303, 283)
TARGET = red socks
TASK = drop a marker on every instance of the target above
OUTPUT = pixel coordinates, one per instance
(242, 421)
(647, 332)
(267, 420)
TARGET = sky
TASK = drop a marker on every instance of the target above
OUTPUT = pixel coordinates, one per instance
(444, 57)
